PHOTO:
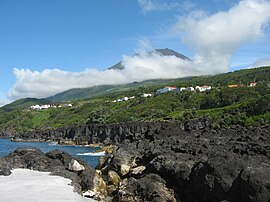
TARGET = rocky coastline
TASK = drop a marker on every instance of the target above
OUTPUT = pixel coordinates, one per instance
(172, 161)
(85, 179)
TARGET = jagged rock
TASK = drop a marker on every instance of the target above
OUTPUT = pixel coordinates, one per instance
(193, 165)
(196, 162)
(75, 166)
(99, 190)
(254, 184)
(124, 169)
(138, 170)
(61, 156)
(149, 188)
(5, 172)
(113, 178)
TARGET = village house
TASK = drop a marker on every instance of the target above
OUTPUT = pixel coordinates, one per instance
(39, 107)
(146, 95)
(65, 105)
(122, 99)
(190, 89)
(253, 84)
(166, 89)
(203, 88)
(182, 89)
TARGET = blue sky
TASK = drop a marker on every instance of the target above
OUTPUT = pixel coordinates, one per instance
(77, 35)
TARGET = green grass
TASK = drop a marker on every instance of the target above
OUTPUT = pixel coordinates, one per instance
(223, 106)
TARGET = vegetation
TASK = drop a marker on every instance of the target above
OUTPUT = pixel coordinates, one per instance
(24, 103)
(224, 106)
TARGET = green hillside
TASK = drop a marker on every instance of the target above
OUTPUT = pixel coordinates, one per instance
(83, 93)
(222, 105)
(24, 103)
(238, 77)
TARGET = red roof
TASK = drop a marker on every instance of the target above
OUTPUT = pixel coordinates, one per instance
(170, 87)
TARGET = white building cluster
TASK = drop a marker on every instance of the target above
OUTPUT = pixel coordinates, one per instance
(47, 106)
(133, 97)
(175, 89)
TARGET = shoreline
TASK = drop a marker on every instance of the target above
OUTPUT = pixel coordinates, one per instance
(68, 143)
(59, 164)
(174, 162)
(107, 149)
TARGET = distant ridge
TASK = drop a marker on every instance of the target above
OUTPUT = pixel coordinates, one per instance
(24, 103)
(245, 75)
(164, 52)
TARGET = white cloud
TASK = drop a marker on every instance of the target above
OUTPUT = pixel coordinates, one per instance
(139, 67)
(154, 5)
(214, 39)
(50, 81)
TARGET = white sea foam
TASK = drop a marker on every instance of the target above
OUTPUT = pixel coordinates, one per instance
(25, 185)
(102, 153)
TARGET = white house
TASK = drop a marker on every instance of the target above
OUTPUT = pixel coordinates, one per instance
(203, 88)
(38, 107)
(165, 89)
(122, 99)
(182, 89)
(65, 105)
(252, 84)
(146, 95)
(190, 89)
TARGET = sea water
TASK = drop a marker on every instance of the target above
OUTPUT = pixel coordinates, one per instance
(7, 146)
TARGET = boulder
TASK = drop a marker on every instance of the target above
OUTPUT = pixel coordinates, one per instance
(138, 170)
(149, 188)
(99, 190)
(124, 169)
(75, 166)
(254, 183)
(113, 178)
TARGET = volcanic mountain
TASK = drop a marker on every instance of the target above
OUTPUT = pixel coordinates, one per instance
(163, 52)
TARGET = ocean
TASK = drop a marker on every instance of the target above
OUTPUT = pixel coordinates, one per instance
(7, 146)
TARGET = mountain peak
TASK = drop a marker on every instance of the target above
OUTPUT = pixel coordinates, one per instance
(169, 52)
(163, 52)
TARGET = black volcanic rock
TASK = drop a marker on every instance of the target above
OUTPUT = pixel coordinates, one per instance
(194, 165)
(186, 161)
(55, 162)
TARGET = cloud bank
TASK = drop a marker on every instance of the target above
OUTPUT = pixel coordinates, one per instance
(214, 39)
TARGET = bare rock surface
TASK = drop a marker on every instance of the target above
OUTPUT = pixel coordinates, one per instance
(167, 161)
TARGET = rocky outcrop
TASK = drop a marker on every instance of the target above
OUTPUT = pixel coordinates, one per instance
(172, 161)
(84, 178)
(193, 165)
(108, 134)
(7, 133)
